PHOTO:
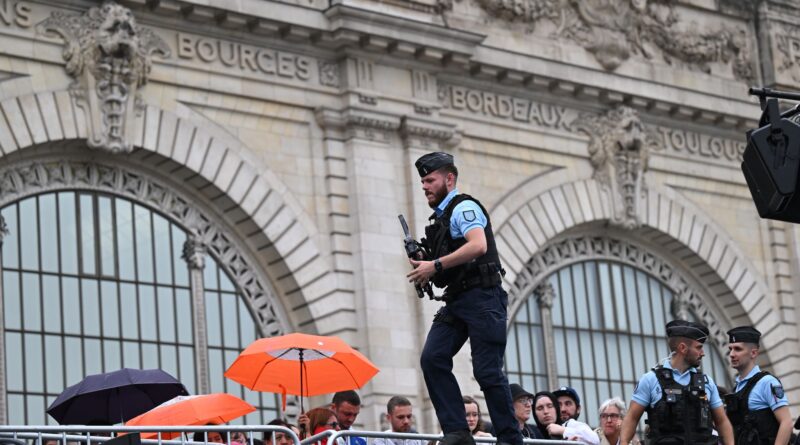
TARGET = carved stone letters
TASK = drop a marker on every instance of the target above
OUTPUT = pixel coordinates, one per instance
(108, 55)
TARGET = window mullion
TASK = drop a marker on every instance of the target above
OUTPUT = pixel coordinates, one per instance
(545, 295)
(3, 394)
(194, 253)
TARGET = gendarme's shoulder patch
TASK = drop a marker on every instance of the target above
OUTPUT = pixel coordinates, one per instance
(469, 215)
(777, 391)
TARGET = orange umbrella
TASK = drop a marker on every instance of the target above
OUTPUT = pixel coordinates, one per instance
(301, 364)
(192, 410)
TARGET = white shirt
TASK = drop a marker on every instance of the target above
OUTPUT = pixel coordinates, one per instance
(583, 432)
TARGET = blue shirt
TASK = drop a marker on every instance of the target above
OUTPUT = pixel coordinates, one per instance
(648, 391)
(763, 395)
(466, 215)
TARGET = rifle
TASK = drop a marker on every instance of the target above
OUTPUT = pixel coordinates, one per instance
(416, 251)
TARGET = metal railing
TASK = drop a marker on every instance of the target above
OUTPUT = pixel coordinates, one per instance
(88, 435)
(94, 435)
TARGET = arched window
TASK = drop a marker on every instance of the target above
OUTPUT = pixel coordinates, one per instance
(94, 282)
(607, 330)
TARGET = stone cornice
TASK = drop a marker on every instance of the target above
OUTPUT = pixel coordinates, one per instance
(444, 51)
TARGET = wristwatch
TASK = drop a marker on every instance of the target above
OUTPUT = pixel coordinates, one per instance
(438, 265)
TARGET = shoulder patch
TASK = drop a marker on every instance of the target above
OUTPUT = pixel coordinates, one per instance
(777, 391)
(469, 215)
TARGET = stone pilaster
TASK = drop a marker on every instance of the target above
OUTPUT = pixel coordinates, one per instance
(3, 408)
(194, 253)
(779, 41)
(545, 294)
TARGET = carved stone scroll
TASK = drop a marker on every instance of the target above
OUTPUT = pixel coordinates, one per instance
(108, 55)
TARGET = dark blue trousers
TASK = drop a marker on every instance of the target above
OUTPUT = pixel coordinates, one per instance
(480, 316)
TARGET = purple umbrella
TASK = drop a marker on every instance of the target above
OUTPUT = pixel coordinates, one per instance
(114, 397)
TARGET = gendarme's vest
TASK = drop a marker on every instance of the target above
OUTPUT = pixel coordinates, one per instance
(683, 415)
(480, 272)
(759, 427)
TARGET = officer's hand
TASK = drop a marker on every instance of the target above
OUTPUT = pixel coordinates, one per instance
(423, 271)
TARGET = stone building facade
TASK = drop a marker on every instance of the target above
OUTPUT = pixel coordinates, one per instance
(274, 140)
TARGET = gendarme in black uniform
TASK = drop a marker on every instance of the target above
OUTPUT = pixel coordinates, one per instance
(475, 309)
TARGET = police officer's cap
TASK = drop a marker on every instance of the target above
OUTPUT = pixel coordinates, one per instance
(517, 392)
(688, 329)
(744, 334)
(432, 161)
(569, 392)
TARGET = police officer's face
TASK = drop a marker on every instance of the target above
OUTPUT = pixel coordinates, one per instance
(545, 411)
(435, 187)
(694, 353)
(567, 407)
(741, 355)
(522, 408)
(400, 418)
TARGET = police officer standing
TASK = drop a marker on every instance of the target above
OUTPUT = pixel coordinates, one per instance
(758, 410)
(681, 402)
(465, 262)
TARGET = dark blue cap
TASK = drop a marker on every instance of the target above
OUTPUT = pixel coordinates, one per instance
(688, 329)
(744, 334)
(570, 392)
(432, 161)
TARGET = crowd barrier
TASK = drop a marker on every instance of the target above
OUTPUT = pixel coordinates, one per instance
(96, 435)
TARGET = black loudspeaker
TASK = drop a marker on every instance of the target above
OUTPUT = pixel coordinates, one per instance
(771, 161)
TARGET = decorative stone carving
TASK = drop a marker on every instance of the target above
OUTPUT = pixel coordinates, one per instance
(613, 30)
(786, 41)
(428, 135)
(3, 229)
(108, 55)
(568, 251)
(545, 295)
(330, 74)
(194, 252)
(22, 180)
(618, 151)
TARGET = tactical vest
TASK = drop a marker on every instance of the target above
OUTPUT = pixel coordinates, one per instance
(484, 271)
(683, 415)
(759, 427)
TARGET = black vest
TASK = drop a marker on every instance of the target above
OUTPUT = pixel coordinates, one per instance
(484, 271)
(683, 415)
(759, 427)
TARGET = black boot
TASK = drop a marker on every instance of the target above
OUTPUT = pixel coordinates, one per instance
(458, 438)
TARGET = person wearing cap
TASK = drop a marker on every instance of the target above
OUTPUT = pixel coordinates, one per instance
(464, 261)
(569, 403)
(758, 409)
(682, 404)
(523, 403)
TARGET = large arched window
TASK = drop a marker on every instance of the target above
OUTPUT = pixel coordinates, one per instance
(94, 282)
(607, 323)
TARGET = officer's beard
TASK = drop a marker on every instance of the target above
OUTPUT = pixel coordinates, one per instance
(438, 196)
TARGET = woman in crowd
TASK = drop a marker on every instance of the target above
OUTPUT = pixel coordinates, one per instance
(474, 419)
(546, 416)
(612, 411)
(321, 419)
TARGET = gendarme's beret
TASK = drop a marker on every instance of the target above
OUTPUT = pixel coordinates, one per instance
(744, 334)
(688, 329)
(431, 162)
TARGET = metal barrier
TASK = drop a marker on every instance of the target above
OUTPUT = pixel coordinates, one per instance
(335, 436)
(83, 434)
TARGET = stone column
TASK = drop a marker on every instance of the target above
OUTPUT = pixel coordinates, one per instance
(545, 295)
(194, 253)
(3, 396)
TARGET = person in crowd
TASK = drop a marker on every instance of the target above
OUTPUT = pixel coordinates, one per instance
(213, 436)
(522, 403)
(474, 419)
(612, 411)
(279, 437)
(758, 409)
(569, 403)
(322, 419)
(677, 382)
(347, 405)
(400, 417)
(550, 426)
(464, 261)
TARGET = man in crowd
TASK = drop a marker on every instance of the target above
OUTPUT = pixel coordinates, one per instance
(758, 410)
(400, 417)
(464, 261)
(569, 403)
(683, 405)
(347, 405)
